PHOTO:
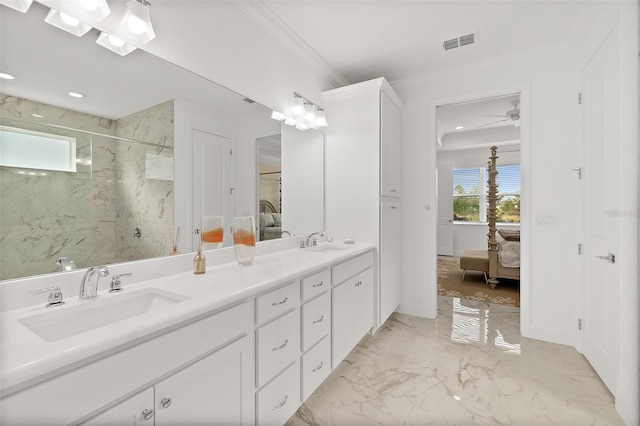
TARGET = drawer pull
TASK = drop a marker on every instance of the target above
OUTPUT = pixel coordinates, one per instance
(166, 402)
(358, 284)
(284, 401)
(283, 301)
(319, 319)
(277, 348)
(147, 414)
(319, 367)
(319, 284)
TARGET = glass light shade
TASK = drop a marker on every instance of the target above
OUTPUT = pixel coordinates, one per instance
(301, 125)
(290, 121)
(67, 23)
(310, 113)
(321, 119)
(297, 106)
(115, 44)
(278, 116)
(19, 5)
(137, 20)
(97, 9)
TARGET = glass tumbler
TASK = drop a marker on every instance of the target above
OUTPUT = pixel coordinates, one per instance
(212, 232)
(244, 239)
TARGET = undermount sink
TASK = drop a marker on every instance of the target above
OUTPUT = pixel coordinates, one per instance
(327, 247)
(63, 322)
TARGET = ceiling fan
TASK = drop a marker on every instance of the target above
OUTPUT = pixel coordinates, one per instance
(512, 114)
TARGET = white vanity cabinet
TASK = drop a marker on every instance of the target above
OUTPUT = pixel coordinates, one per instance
(206, 392)
(213, 346)
(390, 134)
(353, 305)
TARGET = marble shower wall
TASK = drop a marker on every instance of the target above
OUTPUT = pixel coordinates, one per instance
(145, 192)
(87, 215)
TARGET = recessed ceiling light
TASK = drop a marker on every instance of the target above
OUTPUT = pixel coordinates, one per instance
(37, 115)
(76, 95)
(6, 76)
(459, 127)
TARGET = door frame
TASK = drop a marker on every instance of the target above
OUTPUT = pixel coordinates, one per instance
(525, 188)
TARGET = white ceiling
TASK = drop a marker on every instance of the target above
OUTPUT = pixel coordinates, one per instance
(358, 40)
(399, 39)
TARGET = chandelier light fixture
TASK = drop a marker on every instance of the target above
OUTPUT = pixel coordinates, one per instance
(303, 114)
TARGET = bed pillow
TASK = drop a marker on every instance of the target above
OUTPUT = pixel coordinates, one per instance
(510, 234)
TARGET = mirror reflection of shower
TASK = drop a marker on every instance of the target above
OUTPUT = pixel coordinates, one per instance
(269, 187)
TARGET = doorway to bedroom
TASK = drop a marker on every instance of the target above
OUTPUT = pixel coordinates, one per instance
(468, 204)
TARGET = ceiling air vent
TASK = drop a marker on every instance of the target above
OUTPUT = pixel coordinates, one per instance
(464, 40)
(248, 100)
(450, 44)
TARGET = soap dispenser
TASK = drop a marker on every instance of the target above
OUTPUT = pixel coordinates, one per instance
(199, 261)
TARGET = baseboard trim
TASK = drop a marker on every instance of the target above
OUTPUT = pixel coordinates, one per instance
(416, 310)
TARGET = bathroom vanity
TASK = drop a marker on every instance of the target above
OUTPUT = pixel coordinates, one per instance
(237, 345)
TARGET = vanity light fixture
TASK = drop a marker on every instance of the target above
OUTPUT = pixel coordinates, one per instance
(76, 95)
(6, 76)
(137, 21)
(19, 5)
(67, 23)
(303, 114)
(459, 127)
(115, 44)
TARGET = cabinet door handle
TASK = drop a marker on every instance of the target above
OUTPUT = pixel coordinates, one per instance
(283, 301)
(284, 401)
(166, 402)
(277, 348)
(393, 190)
(147, 414)
(358, 284)
(319, 319)
(319, 367)
(318, 285)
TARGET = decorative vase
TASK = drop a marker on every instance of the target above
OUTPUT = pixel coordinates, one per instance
(244, 239)
(199, 261)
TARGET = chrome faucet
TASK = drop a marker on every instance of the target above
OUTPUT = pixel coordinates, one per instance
(284, 231)
(315, 241)
(89, 285)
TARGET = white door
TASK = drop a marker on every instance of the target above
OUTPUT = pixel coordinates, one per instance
(600, 320)
(211, 184)
(445, 210)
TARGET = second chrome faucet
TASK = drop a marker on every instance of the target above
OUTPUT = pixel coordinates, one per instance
(89, 285)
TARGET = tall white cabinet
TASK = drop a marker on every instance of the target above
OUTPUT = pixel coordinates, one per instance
(363, 192)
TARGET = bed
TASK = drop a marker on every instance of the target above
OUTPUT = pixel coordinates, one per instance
(503, 244)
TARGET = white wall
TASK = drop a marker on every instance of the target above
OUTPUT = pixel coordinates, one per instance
(473, 236)
(545, 79)
(550, 149)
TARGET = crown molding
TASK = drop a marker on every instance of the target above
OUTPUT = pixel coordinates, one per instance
(260, 13)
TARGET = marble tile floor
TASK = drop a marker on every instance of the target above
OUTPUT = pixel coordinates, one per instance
(470, 366)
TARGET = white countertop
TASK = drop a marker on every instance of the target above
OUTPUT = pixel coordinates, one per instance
(27, 359)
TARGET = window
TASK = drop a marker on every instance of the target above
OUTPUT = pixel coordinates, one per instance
(36, 150)
(470, 194)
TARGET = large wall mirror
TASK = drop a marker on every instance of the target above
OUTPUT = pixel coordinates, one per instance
(148, 151)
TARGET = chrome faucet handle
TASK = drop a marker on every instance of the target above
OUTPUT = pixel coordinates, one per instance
(116, 284)
(55, 295)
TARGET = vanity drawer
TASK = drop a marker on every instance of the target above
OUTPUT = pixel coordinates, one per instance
(352, 267)
(277, 402)
(316, 320)
(316, 366)
(277, 345)
(315, 284)
(276, 302)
